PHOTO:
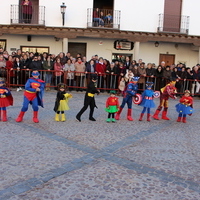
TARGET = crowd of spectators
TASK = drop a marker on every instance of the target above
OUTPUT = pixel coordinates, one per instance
(76, 71)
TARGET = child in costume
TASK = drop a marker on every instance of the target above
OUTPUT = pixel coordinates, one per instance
(168, 91)
(6, 100)
(129, 93)
(185, 106)
(61, 103)
(147, 101)
(89, 99)
(112, 106)
(33, 94)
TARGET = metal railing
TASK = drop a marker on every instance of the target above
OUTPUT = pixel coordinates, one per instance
(33, 15)
(173, 23)
(106, 82)
(107, 18)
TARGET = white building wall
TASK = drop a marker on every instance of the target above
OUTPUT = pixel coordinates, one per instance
(191, 8)
(136, 15)
(142, 15)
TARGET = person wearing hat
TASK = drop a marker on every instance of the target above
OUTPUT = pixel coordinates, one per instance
(89, 99)
(129, 92)
(6, 100)
(185, 107)
(147, 101)
(61, 103)
(112, 106)
(33, 94)
(168, 91)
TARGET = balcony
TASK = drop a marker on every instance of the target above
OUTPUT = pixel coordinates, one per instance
(34, 16)
(103, 18)
(173, 23)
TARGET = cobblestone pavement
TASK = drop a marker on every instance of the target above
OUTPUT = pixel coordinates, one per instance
(157, 160)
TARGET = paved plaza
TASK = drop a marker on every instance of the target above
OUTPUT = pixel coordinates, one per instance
(157, 160)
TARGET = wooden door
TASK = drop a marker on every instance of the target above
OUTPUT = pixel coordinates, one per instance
(172, 15)
(169, 59)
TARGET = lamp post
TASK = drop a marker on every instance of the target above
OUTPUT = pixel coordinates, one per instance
(62, 9)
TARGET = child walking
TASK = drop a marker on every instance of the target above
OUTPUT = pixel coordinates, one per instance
(6, 100)
(147, 101)
(185, 107)
(61, 103)
(112, 106)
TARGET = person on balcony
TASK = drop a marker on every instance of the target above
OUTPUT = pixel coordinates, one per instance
(98, 21)
(27, 11)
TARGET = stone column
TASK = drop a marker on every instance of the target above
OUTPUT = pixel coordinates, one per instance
(136, 51)
(65, 45)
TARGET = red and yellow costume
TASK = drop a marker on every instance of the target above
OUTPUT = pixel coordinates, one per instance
(6, 100)
(168, 91)
(185, 107)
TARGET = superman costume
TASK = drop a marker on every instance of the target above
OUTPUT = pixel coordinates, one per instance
(6, 100)
(33, 94)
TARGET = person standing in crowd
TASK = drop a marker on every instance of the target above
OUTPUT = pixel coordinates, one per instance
(35, 63)
(159, 78)
(61, 103)
(27, 11)
(185, 107)
(167, 75)
(112, 106)
(48, 65)
(6, 100)
(18, 72)
(89, 99)
(9, 68)
(58, 71)
(69, 73)
(127, 62)
(111, 76)
(33, 94)
(196, 78)
(150, 72)
(80, 74)
(129, 92)
(147, 101)
(142, 74)
(90, 70)
(101, 69)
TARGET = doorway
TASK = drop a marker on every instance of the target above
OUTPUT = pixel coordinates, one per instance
(75, 48)
(169, 59)
(103, 4)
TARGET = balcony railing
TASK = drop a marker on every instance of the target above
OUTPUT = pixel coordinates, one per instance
(33, 15)
(103, 18)
(173, 23)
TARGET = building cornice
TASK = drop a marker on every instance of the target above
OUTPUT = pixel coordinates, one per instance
(66, 32)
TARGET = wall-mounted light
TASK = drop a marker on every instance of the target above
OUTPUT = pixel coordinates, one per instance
(56, 39)
(62, 10)
(156, 44)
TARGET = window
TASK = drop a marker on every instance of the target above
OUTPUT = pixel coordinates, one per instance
(39, 50)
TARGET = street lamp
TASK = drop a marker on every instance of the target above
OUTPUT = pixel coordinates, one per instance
(62, 9)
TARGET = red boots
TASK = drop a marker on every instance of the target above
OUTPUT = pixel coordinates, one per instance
(117, 116)
(3, 115)
(141, 116)
(164, 115)
(179, 119)
(129, 114)
(155, 116)
(20, 117)
(35, 116)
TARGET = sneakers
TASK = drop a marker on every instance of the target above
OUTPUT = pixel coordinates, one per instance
(19, 89)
